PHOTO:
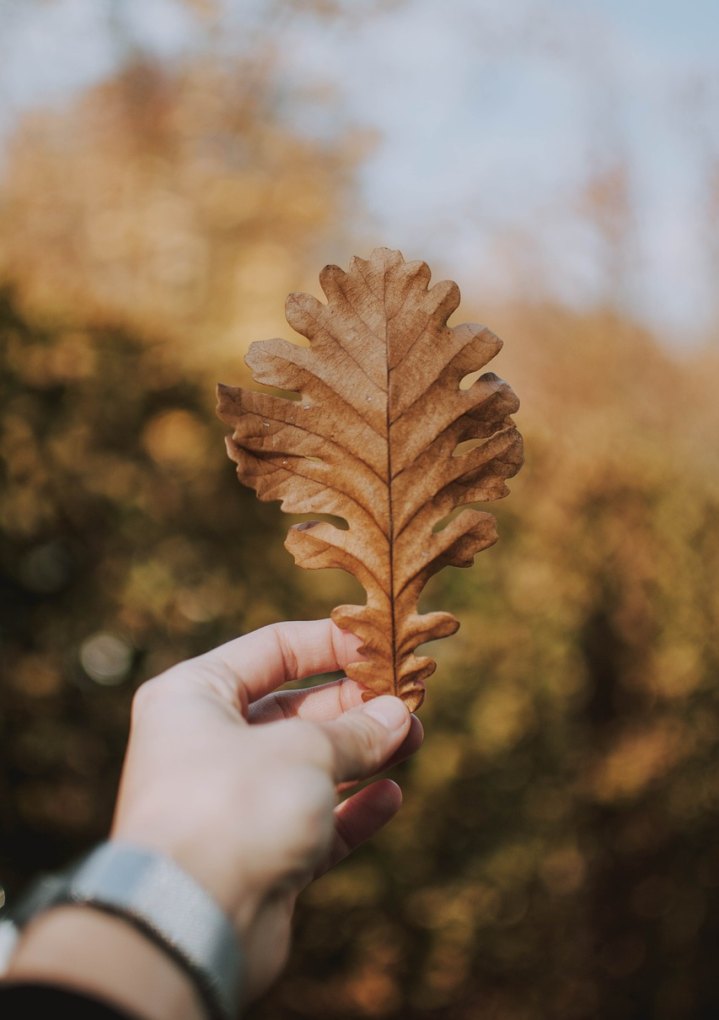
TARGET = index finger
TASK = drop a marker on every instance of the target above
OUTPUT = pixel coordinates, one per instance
(267, 658)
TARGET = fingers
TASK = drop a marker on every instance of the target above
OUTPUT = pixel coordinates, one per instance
(411, 743)
(326, 702)
(359, 817)
(319, 704)
(363, 740)
(269, 657)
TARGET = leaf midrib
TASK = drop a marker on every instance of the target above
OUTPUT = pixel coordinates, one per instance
(390, 508)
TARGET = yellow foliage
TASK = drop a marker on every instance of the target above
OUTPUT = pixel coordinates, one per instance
(556, 852)
(171, 201)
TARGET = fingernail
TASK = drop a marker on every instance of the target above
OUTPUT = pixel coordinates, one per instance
(390, 711)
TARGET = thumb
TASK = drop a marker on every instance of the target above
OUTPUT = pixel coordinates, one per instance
(364, 738)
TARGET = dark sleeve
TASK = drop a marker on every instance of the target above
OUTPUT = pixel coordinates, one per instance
(19, 1001)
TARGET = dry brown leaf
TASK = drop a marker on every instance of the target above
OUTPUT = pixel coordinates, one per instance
(374, 438)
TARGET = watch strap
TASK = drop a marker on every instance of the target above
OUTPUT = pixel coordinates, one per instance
(160, 899)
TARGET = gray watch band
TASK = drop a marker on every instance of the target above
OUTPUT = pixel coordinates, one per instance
(163, 901)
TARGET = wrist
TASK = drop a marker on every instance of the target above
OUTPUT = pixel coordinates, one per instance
(103, 956)
(164, 909)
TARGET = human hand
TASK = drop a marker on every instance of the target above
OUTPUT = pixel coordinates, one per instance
(239, 783)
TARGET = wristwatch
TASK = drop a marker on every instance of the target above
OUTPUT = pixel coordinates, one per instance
(157, 897)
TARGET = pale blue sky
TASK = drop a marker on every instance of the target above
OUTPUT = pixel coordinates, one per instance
(489, 117)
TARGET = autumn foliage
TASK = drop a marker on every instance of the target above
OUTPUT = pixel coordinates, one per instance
(558, 851)
(382, 437)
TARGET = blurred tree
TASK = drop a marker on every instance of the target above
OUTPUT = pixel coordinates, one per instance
(125, 545)
(557, 852)
(179, 200)
(142, 224)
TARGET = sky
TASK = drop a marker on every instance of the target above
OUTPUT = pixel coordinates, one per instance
(493, 125)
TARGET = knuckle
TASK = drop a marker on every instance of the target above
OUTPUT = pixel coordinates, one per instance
(360, 748)
(147, 696)
(367, 740)
(286, 650)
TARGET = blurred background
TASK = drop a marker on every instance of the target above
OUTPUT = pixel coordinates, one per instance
(169, 171)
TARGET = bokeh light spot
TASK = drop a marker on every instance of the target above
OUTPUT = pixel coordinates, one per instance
(174, 439)
(106, 658)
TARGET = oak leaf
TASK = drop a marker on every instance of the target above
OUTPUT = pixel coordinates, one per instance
(380, 437)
